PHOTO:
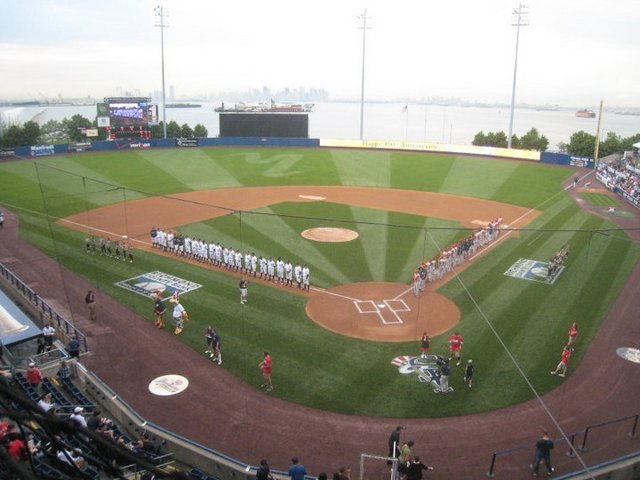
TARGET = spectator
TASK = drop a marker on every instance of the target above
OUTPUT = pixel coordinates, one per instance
(96, 421)
(64, 373)
(343, 474)
(77, 417)
(45, 403)
(17, 449)
(41, 346)
(34, 376)
(74, 347)
(394, 444)
(263, 472)
(405, 459)
(297, 471)
(48, 333)
(543, 453)
(415, 469)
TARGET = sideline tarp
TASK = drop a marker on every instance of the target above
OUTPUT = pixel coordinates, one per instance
(15, 326)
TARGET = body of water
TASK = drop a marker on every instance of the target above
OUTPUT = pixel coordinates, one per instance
(388, 121)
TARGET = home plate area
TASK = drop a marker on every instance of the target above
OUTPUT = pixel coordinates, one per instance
(387, 311)
(381, 311)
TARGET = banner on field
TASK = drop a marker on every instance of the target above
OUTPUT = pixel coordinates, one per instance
(534, 270)
(157, 283)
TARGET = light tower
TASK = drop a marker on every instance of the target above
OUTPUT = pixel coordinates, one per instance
(363, 17)
(160, 16)
(519, 20)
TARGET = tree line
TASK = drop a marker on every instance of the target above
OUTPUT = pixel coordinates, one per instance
(72, 130)
(581, 143)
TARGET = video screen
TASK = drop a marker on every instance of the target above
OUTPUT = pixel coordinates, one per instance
(129, 112)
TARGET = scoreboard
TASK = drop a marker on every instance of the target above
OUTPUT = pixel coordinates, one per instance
(293, 125)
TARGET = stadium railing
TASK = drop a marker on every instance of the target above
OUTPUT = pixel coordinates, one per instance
(570, 440)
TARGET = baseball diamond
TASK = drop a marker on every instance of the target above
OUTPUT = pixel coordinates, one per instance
(337, 393)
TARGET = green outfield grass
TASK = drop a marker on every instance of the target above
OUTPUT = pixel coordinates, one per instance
(600, 199)
(311, 365)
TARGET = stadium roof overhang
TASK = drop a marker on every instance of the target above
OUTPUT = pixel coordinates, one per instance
(15, 326)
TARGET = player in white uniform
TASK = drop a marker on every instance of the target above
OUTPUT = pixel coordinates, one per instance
(297, 272)
(254, 264)
(231, 259)
(271, 269)
(280, 270)
(247, 262)
(288, 273)
(263, 267)
(306, 278)
(238, 261)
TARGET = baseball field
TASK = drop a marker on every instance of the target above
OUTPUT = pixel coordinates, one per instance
(333, 348)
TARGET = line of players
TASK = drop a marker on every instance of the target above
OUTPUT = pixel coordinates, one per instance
(437, 267)
(117, 249)
(269, 269)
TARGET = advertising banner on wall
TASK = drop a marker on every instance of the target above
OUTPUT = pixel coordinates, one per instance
(42, 150)
(432, 147)
(186, 142)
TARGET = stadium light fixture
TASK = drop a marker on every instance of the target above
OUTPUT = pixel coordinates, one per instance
(160, 17)
(519, 20)
(363, 17)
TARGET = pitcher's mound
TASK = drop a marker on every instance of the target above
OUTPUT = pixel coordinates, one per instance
(330, 234)
(382, 311)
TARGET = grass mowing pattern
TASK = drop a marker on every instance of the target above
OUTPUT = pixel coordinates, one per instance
(600, 199)
(313, 366)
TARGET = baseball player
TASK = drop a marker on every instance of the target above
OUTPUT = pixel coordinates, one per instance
(208, 335)
(254, 264)
(215, 343)
(87, 243)
(263, 267)
(271, 269)
(416, 283)
(288, 273)
(238, 261)
(154, 235)
(297, 272)
(280, 270)
(306, 278)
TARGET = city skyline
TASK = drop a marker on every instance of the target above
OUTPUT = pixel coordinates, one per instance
(572, 53)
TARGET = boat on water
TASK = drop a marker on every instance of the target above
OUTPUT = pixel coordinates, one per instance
(585, 113)
(266, 107)
(183, 105)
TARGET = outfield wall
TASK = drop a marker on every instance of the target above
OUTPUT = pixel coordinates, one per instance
(139, 144)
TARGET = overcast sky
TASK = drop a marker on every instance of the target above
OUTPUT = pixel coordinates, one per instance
(574, 52)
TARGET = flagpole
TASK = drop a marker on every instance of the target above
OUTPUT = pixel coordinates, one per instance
(406, 122)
